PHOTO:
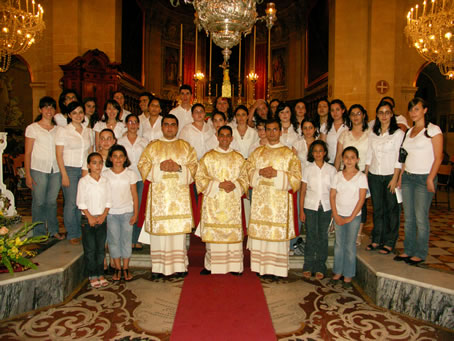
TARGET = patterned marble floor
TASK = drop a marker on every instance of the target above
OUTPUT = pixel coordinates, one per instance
(145, 310)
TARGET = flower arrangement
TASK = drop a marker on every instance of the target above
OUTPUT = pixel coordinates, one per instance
(12, 250)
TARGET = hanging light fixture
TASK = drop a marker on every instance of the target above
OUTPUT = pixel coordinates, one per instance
(21, 25)
(227, 20)
(430, 30)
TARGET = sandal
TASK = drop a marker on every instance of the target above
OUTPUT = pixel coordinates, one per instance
(371, 247)
(384, 250)
(127, 275)
(95, 284)
(319, 275)
(117, 275)
(103, 282)
(307, 274)
(59, 236)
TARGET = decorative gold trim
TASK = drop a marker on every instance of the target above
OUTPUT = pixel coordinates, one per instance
(170, 176)
(270, 240)
(212, 242)
(168, 217)
(168, 234)
(261, 222)
(266, 183)
(228, 226)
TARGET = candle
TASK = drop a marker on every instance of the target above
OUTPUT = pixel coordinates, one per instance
(196, 41)
(239, 64)
(417, 11)
(211, 45)
(443, 6)
(412, 13)
(253, 54)
(216, 90)
(33, 3)
(26, 5)
(424, 9)
(433, 6)
(180, 67)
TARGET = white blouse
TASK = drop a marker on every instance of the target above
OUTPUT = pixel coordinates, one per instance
(134, 151)
(347, 195)
(347, 139)
(197, 138)
(420, 151)
(318, 182)
(76, 146)
(60, 120)
(332, 137)
(383, 152)
(290, 137)
(43, 153)
(244, 143)
(301, 151)
(148, 132)
(119, 129)
(184, 117)
(120, 185)
(94, 196)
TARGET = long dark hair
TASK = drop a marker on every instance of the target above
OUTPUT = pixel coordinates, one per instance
(116, 106)
(392, 124)
(62, 98)
(269, 114)
(93, 118)
(316, 115)
(330, 118)
(424, 104)
(310, 153)
(230, 115)
(293, 121)
(114, 148)
(316, 132)
(73, 106)
(44, 102)
(348, 121)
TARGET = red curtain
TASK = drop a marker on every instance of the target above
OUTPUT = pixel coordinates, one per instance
(188, 64)
(260, 69)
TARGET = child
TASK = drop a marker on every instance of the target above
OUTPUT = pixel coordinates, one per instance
(124, 211)
(106, 140)
(348, 192)
(260, 127)
(94, 200)
(315, 208)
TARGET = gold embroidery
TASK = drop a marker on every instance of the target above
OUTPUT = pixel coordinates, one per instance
(266, 183)
(261, 222)
(222, 226)
(168, 217)
(170, 176)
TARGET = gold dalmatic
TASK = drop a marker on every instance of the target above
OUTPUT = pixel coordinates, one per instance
(272, 206)
(168, 209)
(221, 211)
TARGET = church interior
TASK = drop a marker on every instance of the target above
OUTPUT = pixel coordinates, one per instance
(355, 50)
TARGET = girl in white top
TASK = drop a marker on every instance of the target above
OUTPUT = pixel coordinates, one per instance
(321, 117)
(301, 146)
(198, 132)
(424, 145)
(334, 127)
(134, 146)
(261, 132)
(42, 175)
(150, 128)
(315, 209)
(218, 120)
(106, 140)
(94, 200)
(67, 96)
(119, 97)
(243, 135)
(300, 113)
(348, 192)
(124, 211)
(111, 120)
(73, 144)
(289, 124)
(382, 170)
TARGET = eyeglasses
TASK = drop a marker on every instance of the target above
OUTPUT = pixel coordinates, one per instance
(132, 122)
(358, 113)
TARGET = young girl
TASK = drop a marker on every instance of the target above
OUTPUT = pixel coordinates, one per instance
(111, 120)
(94, 200)
(106, 140)
(309, 135)
(315, 208)
(124, 211)
(348, 192)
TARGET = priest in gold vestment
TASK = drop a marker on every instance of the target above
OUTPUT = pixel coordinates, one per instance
(222, 178)
(273, 170)
(167, 166)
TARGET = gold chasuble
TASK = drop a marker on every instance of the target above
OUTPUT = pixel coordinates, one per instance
(168, 203)
(272, 206)
(221, 211)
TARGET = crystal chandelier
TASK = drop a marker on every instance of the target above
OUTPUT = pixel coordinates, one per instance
(21, 24)
(228, 20)
(430, 30)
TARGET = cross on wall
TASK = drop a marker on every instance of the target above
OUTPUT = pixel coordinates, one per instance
(382, 87)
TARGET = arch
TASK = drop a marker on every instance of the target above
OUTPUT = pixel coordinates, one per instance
(24, 61)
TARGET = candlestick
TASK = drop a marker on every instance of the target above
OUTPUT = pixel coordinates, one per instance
(412, 13)
(196, 41)
(180, 66)
(211, 45)
(253, 54)
(33, 3)
(417, 11)
(239, 63)
(26, 5)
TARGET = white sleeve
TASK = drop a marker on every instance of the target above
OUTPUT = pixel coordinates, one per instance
(60, 136)
(281, 181)
(80, 198)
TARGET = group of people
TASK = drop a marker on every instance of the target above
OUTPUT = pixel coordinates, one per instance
(171, 172)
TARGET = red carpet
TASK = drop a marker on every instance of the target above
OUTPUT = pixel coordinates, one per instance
(220, 307)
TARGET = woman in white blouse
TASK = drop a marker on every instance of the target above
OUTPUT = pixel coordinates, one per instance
(424, 145)
(134, 146)
(300, 113)
(334, 127)
(111, 120)
(289, 124)
(67, 96)
(243, 135)
(356, 135)
(73, 144)
(42, 175)
(382, 170)
(301, 147)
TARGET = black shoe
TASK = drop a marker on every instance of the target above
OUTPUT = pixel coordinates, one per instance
(236, 273)
(400, 258)
(155, 276)
(414, 262)
(205, 272)
(181, 274)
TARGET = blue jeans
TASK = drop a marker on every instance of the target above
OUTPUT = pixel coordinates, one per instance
(316, 247)
(119, 235)
(386, 214)
(136, 229)
(44, 202)
(345, 248)
(94, 241)
(416, 200)
(70, 211)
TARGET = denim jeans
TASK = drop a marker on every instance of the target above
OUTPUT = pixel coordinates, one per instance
(136, 229)
(316, 247)
(119, 235)
(293, 241)
(44, 202)
(386, 214)
(70, 211)
(93, 241)
(345, 248)
(416, 200)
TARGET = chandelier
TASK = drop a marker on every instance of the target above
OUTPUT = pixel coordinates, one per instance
(228, 20)
(430, 30)
(21, 24)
